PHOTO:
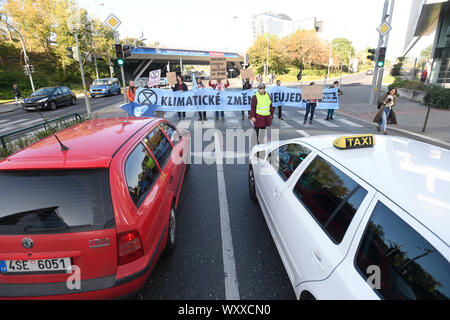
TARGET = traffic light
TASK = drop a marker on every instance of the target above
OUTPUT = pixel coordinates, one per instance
(69, 52)
(381, 57)
(119, 54)
(26, 70)
(31, 68)
(372, 54)
(73, 53)
(126, 51)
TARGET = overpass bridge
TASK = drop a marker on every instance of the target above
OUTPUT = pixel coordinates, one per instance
(144, 59)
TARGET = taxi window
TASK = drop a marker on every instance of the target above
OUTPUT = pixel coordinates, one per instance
(141, 173)
(158, 144)
(287, 158)
(171, 132)
(330, 196)
(410, 267)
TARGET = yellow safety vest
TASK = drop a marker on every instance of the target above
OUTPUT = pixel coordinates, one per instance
(263, 106)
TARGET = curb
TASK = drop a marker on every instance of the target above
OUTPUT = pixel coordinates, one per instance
(401, 130)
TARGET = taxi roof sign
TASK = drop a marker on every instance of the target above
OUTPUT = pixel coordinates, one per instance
(355, 142)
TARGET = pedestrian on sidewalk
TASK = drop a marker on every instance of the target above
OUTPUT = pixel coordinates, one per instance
(246, 86)
(17, 94)
(339, 93)
(221, 87)
(262, 110)
(180, 86)
(423, 75)
(310, 107)
(279, 108)
(131, 91)
(201, 114)
(386, 113)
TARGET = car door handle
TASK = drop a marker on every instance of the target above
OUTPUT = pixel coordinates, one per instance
(171, 179)
(275, 193)
(318, 258)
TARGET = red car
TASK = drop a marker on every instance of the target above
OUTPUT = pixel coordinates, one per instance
(90, 222)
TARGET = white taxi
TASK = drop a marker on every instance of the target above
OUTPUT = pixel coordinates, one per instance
(355, 218)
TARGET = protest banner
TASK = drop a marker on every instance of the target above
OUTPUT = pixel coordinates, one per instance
(312, 92)
(247, 74)
(171, 78)
(218, 68)
(154, 77)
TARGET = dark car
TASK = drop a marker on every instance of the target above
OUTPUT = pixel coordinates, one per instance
(49, 98)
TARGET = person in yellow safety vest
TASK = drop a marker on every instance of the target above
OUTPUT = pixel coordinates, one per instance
(261, 113)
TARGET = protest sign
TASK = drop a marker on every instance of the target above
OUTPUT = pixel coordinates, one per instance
(218, 68)
(171, 78)
(312, 92)
(154, 77)
(247, 73)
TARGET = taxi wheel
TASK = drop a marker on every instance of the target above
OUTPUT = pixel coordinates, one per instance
(53, 105)
(251, 184)
(171, 232)
(73, 101)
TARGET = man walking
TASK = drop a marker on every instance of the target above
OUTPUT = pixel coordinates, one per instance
(131, 92)
(339, 93)
(17, 94)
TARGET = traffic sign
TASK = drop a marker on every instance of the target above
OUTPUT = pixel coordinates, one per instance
(384, 28)
(112, 22)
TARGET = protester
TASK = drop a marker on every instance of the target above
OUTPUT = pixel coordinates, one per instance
(131, 91)
(180, 86)
(221, 87)
(279, 108)
(310, 107)
(17, 94)
(262, 110)
(331, 111)
(246, 86)
(201, 114)
(386, 113)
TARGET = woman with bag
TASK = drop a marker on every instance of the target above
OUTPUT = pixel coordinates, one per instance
(386, 113)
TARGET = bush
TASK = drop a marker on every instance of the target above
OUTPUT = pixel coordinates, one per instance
(440, 97)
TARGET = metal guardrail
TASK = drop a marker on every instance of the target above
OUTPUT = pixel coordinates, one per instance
(36, 127)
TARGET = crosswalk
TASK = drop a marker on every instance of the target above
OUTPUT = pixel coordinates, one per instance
(291, 120)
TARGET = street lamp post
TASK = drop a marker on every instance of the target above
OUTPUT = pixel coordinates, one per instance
(25, 56)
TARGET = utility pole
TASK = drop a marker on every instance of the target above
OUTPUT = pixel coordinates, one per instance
(375, 69)
(86, 99)
(117, 41)
(386, 40)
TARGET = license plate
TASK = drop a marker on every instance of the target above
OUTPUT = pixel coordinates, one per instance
(43, 265)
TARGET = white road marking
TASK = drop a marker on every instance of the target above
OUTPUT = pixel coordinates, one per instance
(184, 124)
(229, 263)
(303, 133)
(349, 123)
(17, 121)
(327, 123)
(6, 129)
(284, 124)
(233, 123)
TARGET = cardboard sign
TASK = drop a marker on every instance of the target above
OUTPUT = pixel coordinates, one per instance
(218, 68)
(312, 92)
(247, 74)
(154, 77)
(171, 78)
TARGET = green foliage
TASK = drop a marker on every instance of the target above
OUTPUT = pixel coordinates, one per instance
(438, 96)
(342, 49)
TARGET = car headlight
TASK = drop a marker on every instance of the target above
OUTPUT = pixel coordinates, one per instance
(42, 100)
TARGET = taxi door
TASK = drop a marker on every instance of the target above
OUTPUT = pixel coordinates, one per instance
(318, 215)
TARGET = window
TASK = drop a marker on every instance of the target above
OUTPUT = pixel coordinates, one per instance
(48, 200)
(58, 92)
(411, 268)
(330, 195)
(157, 142)
(171, 132)
(287, 158)
(65, 90)
(141, 172)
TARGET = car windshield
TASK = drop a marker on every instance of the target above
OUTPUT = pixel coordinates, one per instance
(41, 201)
(100, 82)
(43, 92)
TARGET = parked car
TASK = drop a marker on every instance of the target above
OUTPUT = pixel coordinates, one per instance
(49, 98)
(105, 87)
(105, 208)
(369, 72)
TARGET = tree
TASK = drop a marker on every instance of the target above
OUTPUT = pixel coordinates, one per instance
(343, 49)
(277, 58)
(304, 48)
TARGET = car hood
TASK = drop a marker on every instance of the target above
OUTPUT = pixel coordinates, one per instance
(34, 98)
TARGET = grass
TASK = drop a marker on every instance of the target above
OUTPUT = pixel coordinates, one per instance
(388, 79)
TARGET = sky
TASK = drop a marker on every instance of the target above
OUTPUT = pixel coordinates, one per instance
(227, 25)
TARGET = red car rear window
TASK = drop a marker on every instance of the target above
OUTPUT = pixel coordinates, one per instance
(55, 201)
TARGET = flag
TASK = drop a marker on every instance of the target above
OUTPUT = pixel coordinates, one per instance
(138, 110)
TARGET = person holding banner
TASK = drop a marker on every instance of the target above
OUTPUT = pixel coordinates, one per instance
(339, 93)
(180, 86)
(221, 87)
(201, 114)
(246, 86)
(279, 108)
(131, 91)
(310, 107)
(262, 110)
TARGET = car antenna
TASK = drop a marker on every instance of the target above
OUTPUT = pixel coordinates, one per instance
(63, 147)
